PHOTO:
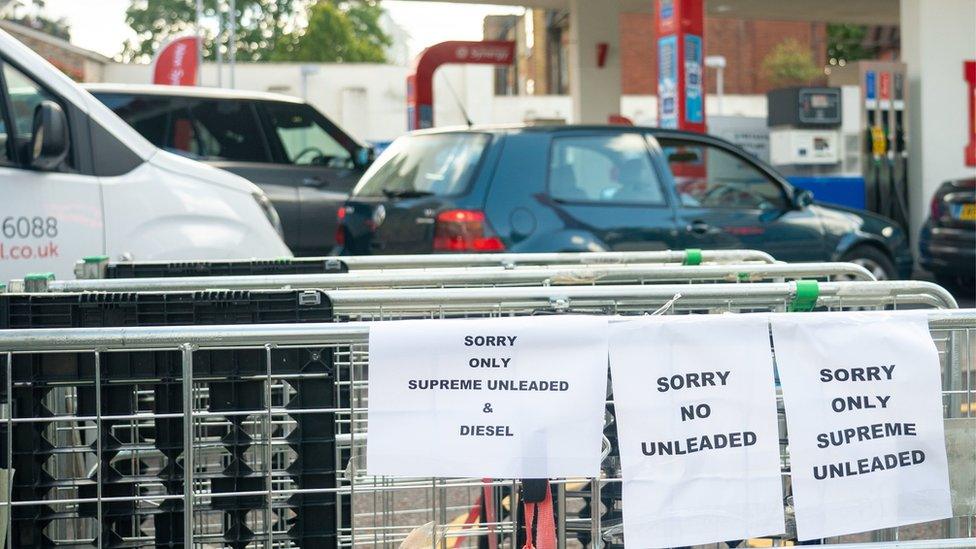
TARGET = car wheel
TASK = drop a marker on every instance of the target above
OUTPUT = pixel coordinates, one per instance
(872, 259)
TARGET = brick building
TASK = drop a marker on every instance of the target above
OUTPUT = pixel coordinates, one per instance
(80, 64)
(541, 35)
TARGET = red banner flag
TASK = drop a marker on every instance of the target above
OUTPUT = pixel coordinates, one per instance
(176, 63)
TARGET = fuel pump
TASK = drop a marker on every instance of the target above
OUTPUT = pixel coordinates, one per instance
(883, 120)
(804, 123)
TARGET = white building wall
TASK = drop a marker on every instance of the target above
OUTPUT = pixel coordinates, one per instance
(936, 37)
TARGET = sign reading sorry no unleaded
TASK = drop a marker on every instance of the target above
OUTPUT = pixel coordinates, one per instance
(696, 420)
(864, 414)
(502, 397)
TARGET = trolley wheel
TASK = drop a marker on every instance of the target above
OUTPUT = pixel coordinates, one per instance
(874, 260)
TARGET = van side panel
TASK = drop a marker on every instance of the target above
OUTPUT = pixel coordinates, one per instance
(162, 214)
(47, 221)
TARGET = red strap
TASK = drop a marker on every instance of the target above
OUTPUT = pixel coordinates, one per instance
(488, 497)
(545, 528)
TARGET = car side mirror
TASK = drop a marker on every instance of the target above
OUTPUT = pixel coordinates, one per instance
(802, 198)
(364, 157)
(49, 140)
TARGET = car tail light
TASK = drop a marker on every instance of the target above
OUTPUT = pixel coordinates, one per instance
(465, 231)
(935, 208)
(340, 234)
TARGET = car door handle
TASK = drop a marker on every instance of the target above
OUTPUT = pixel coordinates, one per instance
(313, 181)
(699, 227)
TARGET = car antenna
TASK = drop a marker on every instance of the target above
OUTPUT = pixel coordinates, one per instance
(460, 104)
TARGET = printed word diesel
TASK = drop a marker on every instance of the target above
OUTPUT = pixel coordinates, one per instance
(691, 445)
(490, 341)
(692, 380)
(486, 431)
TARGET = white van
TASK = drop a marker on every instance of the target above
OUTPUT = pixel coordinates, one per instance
(76, 181)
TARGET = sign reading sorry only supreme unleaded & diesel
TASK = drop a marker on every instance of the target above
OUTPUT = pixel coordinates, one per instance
(864, 415)
(502, 397)
(695, 405)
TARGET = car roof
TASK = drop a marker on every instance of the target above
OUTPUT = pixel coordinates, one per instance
(558, 128)
(190, 91)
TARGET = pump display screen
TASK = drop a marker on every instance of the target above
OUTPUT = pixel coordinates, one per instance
(820, 106)
(819, 101)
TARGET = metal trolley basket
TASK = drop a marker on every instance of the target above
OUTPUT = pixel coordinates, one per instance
(101, 267)
(473, 277)
(377, 511)
(271, 451)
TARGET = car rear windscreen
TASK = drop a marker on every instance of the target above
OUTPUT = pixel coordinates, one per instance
(422, 165)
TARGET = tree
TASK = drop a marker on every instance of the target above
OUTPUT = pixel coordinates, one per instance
(845, 43)
(261, 24)
(338, 31)
(790, 64)
(267, 30)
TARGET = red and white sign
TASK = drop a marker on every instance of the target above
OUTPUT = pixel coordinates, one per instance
(969, 68)
(177, 62)
(420, 83)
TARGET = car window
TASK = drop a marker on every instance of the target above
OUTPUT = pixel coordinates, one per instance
(149, 115)
(603, 168)
(25, 95)
(711, 177)
(304, 138)
(219, 130)
(200, 128)
(435, 164)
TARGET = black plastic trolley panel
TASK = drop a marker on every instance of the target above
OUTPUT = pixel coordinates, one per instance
(57, 460)
(226, 268)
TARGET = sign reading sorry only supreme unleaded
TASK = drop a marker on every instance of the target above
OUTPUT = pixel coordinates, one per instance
(864, 414)
(503, 397)
(696, 419)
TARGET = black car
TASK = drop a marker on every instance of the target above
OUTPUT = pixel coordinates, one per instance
(303, 161)
(947, 244)
(592, 188)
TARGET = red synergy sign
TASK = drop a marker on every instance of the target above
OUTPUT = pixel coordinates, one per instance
(420, 83)
(176, 62)
(970, 72)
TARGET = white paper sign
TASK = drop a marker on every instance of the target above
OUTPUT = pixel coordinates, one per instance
(502, 397)
(864, 414)
(696, 417)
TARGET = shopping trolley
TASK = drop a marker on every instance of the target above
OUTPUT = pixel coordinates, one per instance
(102, 267)
(380, 512)
(469, 277)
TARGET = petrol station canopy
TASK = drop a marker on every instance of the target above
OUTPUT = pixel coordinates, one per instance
(869, 12)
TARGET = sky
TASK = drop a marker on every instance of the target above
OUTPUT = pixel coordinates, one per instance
(99, 25)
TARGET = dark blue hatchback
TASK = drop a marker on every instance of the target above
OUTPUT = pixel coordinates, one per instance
(596, 188)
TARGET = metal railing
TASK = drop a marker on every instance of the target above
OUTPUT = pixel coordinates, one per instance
(96, 267)
(587, 274)
(610, 299)
(271, 507)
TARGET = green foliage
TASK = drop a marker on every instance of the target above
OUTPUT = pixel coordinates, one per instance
(260, 26)
(790, 64)
(845, 43)
(337, 32)
(267, 30)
